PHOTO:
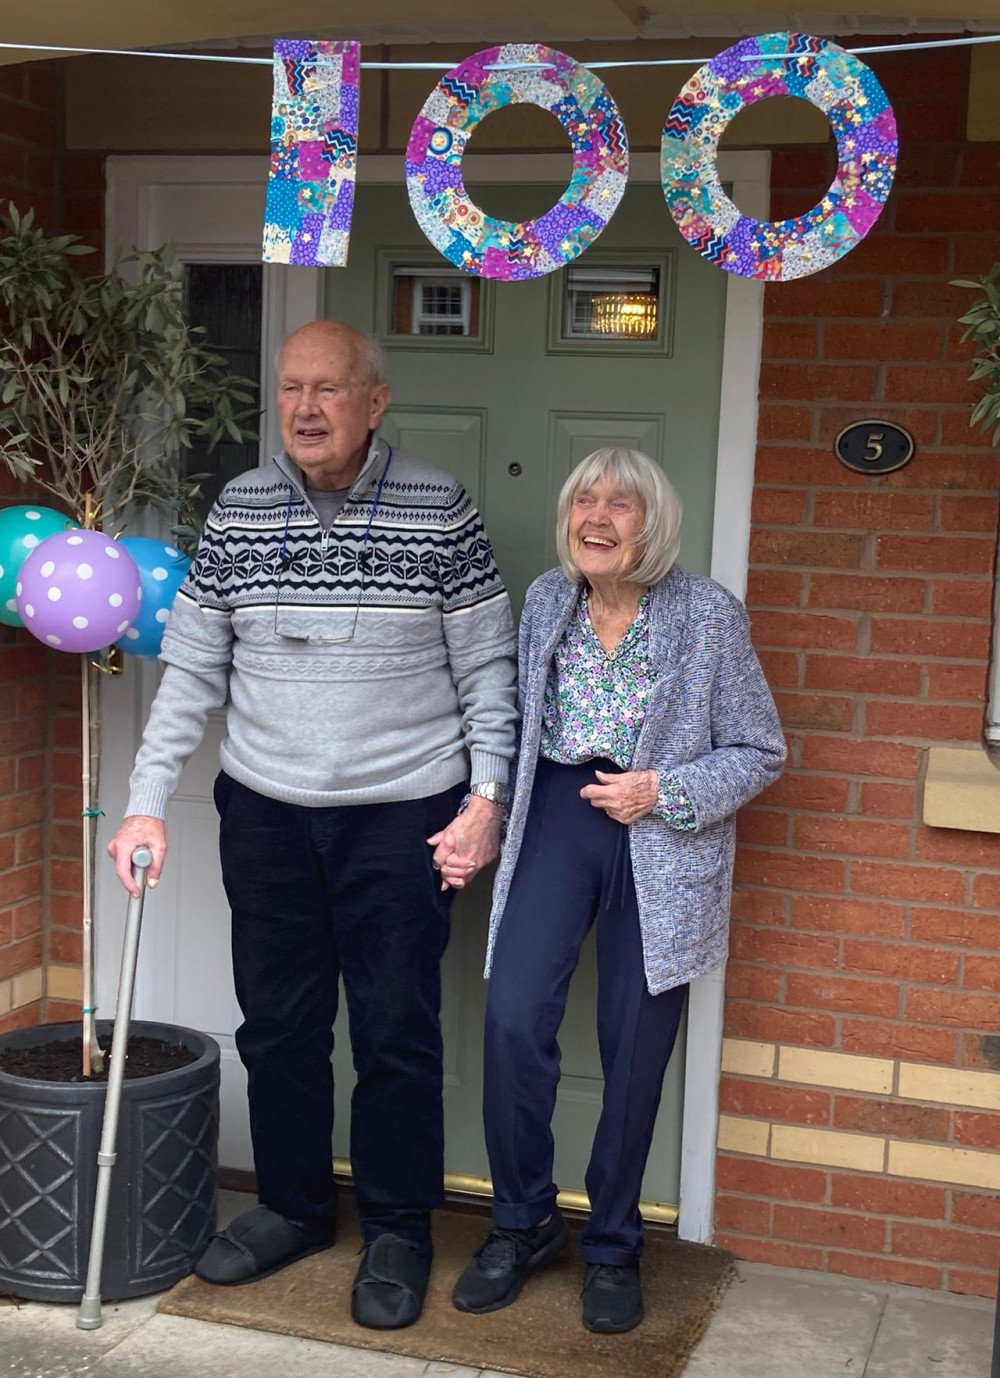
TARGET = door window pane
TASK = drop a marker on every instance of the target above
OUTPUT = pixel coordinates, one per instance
(614, 303)
(225, 298)
(434, 303)
(606, 304)
(422, 303)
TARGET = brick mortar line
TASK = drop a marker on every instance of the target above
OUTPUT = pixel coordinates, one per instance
(904, 944)
(872, 1174)
(827, 1089)
(848, 1211)
(836, 528)
(870, 571)
(822, 854)
(846, 614)
(819, 405)
(843, 1248)
(920, 698)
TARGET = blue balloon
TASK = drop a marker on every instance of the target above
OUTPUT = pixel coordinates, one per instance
(21, 529)
(162, 569)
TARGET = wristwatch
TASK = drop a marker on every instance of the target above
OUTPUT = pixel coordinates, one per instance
(494, 791)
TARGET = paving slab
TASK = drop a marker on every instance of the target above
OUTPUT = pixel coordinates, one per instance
(173, 1347)
(42, 1341)
(921, 1335)
(39, 1340)
(775, 1323)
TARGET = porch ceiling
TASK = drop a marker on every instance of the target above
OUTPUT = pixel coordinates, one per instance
(183, 23)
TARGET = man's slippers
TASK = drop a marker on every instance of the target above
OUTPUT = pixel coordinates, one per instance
(258, 1243)
(390, 1284)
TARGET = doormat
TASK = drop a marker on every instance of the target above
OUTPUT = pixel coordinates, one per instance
(540, 1336)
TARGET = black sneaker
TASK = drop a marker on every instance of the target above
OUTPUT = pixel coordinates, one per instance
(612, 1298)
(496, 1272)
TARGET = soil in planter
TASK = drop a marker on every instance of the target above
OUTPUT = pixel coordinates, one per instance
(63, 1060)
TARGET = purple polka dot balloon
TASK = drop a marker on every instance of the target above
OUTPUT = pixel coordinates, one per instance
(78, 591)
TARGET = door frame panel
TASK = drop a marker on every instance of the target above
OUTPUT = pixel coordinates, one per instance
(140, 192)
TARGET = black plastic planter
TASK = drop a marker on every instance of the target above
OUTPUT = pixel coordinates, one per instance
(162, 1207)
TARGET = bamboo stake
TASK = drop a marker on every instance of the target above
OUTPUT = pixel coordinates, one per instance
(88, 917)
(93, 1056)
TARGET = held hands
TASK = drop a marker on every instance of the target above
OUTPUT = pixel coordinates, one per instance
(470, 842)
(624, 797)
(138, 831)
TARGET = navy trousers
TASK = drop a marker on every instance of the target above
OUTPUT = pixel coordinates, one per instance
(573, 870)
(316, 894)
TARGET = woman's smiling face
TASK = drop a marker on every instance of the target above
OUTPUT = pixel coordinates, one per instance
(604, 528)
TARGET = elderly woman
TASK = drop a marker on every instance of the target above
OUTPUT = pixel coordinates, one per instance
(646, 724)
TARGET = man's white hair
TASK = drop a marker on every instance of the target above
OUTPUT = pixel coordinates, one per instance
(369, 352)
(374, 362)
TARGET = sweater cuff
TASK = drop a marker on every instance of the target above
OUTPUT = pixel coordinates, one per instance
(148, 800)
(486, 767)
(673, 804)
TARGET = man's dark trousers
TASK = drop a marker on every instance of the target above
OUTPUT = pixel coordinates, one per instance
(318, 893)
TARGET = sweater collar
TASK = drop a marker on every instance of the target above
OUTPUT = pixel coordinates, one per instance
(378, 451)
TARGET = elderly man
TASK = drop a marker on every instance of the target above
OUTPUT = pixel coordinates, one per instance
(345, 606)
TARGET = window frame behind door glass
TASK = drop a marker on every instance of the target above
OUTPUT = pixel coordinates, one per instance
(661, 345)
(387, 261)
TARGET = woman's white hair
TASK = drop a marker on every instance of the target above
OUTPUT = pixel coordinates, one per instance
(631, 472)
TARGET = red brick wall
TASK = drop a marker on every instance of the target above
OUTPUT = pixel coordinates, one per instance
(39, 715)
(857, 929)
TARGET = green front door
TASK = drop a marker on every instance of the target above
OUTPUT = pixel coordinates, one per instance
(507, 386)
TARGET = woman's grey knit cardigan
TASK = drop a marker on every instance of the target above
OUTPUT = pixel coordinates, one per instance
(710, 719)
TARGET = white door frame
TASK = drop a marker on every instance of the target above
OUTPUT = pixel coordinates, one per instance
(293, 296)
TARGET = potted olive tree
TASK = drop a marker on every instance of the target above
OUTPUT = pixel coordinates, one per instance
(982, 328)
(103, 385)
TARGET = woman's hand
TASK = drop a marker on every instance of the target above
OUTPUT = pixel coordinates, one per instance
(470, 842)
(624, 797)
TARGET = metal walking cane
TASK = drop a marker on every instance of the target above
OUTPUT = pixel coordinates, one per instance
(89, 1317)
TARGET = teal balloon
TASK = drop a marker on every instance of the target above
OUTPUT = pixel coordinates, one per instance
(21, 529)
(162, 570)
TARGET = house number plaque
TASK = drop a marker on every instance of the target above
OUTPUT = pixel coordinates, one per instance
(873, 447)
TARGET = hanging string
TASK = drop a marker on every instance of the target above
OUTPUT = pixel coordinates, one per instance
(875, 48)
(917, 46)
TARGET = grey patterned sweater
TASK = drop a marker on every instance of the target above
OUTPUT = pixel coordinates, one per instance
(710, 720)
(328, 703)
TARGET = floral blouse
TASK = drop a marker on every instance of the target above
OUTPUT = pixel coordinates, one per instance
(595, 704)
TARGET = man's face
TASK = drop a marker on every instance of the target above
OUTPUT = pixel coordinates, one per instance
(327, 407)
